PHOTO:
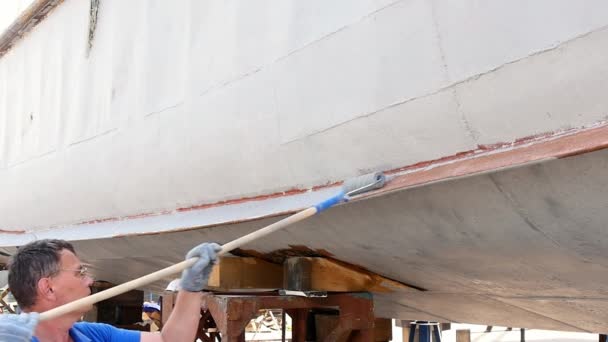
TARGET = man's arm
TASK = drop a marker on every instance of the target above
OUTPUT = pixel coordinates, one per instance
(183, 322)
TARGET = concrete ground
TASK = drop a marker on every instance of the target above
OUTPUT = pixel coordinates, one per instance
(478, 334)
(500, 334)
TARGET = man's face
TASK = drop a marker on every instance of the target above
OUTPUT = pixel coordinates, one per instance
(71, 284)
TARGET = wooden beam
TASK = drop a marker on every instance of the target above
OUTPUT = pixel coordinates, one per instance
(405, 333)
(320, 274)
(299, 273)
(463, 335)
(383, 329)
(166, 306)
(325, 324)
(233, 273)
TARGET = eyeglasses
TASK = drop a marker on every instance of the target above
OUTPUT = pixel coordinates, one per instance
(83, 271)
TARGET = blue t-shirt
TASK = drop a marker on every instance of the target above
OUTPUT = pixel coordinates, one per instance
(99, 332)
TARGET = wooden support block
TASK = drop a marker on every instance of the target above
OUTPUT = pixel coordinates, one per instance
(233, 273)
(383, 329)
(167, 304)
(320, 274)
(406, 329)
(402, 323)
(405, 333)
(325, 324)
(463, 335)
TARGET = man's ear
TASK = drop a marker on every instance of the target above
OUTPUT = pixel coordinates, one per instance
(45, 289)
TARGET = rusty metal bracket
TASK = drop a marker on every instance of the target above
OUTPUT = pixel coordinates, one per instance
(231, 313)
(3, 304)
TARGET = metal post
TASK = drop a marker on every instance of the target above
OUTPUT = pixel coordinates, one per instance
(412, 332)
(437, 333)
(425, 334)
(298, 325)
(283, 324)
(522, 334)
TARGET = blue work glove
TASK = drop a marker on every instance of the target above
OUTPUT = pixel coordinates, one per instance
(18, 328)
(195, 278)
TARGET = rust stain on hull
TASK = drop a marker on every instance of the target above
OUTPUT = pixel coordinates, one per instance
(286, 193)
(486, 158)
(577, 141)
(259, 198)
(535, 148)
(179, 230)
(15, 232)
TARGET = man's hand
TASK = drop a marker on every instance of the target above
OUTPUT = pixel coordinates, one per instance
(196, 277)
(18, 328)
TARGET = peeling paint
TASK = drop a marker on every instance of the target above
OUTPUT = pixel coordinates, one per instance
(524, 151)
(486, 158)
(160, 232)
(12, 231)
(511, 148)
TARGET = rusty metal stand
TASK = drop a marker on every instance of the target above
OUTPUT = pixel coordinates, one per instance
(3, 304)
(207, 329)
(231, 313)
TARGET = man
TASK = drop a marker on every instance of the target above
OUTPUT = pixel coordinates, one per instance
(46, 274)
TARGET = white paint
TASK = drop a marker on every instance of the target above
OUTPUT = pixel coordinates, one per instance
(188, 102)
(389, 57)
(226, 214)
(478, 36)
(559, 89)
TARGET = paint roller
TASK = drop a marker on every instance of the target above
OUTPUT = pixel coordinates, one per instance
(350, 188)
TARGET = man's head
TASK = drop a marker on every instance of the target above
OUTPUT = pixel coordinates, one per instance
(46, 273)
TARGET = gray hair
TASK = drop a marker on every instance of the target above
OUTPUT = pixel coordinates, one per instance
(32, 262)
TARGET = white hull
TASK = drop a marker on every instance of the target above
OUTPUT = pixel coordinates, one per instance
(195, 121)
(188, 103)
